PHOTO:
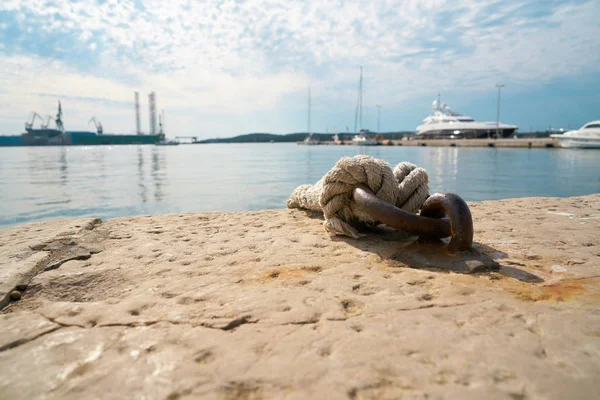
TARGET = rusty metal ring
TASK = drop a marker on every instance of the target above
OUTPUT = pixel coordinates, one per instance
(430, 223)
(459, 215)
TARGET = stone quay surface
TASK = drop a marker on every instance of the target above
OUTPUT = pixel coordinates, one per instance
(266, 305)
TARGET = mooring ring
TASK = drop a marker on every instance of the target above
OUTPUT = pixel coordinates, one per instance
(456, 209)
(430, 223)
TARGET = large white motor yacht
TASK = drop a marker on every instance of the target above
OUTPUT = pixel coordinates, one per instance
(588, 137)
(444, 123)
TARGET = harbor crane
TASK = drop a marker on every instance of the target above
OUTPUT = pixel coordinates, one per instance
(32, 116)
(97, 124)
(47, 124)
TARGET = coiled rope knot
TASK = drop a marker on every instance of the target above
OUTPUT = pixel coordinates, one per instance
(405, 187)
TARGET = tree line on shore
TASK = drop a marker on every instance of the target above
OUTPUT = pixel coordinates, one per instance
(326, 137)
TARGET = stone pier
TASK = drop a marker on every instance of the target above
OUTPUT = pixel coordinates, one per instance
(266, 305)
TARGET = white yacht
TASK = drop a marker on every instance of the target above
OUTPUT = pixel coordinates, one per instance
(363, 140)
(586, 137)
(311, 140)
(444, 123)
(336, 139)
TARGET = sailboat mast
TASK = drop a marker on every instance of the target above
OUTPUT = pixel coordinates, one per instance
(308, 124)
(360, 97)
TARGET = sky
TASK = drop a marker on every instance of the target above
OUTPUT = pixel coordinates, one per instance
(224, 68)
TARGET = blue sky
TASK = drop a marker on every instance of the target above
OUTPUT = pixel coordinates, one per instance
(223, 68)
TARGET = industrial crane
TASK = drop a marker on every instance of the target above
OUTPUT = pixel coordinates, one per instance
(32, 116)
(97, 124)
(47, 124)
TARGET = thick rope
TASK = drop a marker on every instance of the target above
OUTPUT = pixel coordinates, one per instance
(405, 187)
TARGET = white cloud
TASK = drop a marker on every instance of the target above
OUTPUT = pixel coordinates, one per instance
(34, 84)
(236, 58)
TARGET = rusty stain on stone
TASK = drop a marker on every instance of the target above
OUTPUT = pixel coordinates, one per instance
(561, 291)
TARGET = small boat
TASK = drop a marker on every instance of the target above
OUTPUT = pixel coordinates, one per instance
(586, 137)
(336, 139)
(363, 140)
(167, 142)
(311, 140)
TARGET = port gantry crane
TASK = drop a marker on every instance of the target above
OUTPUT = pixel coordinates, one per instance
(47, 124)
(97, 124)
(32, 116)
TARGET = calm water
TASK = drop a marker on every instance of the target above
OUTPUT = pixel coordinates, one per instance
(57, 182)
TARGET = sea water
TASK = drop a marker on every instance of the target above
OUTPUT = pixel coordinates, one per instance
(38, 183)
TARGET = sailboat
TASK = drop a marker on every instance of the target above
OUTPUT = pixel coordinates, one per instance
(336, 139)
(361, 139)
(310, 139)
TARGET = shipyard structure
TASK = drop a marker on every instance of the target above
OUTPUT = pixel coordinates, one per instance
(56, 135)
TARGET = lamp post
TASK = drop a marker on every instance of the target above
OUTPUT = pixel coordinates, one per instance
(378, 110)
(499, 86)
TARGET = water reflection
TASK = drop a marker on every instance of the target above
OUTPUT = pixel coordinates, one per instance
(373, 151)
(53, 182)
(143, 191)
(494, 176)
(97, 159)
(48, 170)
(442, 165)
(158, 161)
(64, 177)
(155, 183)
(309, 164)
(574, 157)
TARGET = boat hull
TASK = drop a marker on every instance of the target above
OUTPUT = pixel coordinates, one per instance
(364, 140)
(6, 141)
(503, 133)
(365, 143)
(46, 138)
(579, 143)
(43, 137)
(98, 140)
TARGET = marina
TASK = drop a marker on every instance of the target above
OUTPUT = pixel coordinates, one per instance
(443, 128)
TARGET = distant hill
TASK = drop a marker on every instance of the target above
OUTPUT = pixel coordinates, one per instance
(295, 137)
